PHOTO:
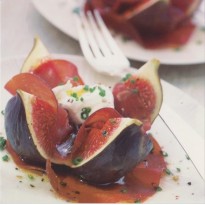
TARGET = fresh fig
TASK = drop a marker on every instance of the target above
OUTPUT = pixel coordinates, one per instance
(140, 95)
(109, 148)
(18, 133)
(57, 72)
(48, 128)
(31, 84)
(38, 54)
(38, 124)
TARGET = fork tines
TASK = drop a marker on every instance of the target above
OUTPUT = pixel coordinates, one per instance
(97, 44)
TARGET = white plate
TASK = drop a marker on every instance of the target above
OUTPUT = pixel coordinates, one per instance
(173, 192)
(60, 14)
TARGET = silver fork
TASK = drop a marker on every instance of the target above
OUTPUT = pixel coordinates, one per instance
(98, 45)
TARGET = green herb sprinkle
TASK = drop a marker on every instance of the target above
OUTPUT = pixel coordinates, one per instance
(2, 143)
(5, 158)
(85, 112)
(86, 88)
(168, 172)
(76, 78)
(77, 160)
(127, 76)
(102, 92)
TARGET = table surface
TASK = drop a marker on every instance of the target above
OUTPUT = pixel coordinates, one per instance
(21, 22)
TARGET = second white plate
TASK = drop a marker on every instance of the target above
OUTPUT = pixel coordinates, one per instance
(60, 14)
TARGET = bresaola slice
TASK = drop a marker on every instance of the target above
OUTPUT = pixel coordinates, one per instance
(53, 71)
(31, 84)
(58, 72)
(137, 185)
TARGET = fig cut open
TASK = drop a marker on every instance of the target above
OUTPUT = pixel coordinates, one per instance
(110, 149)
(36, 128)
(139, 95)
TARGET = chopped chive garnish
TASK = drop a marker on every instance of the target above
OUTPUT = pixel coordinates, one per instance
(31, 185)
(31, 177)
(81, 99)
(104, 133)
(63, 183)
(5, 158)
(2, 112)
(76, 10)
(102, 92)
(75, 78)
(164, 154)
(92, 89)
(158, 188)
(187, 156)
(178, 169)
(85, 113)
(74, 95)
(127, 76)
(77, 160)
(132, 81)
(86, 88)
(168, 172)
(2, 143)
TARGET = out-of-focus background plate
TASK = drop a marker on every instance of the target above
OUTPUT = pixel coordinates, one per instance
(60, 13)
(173, 191)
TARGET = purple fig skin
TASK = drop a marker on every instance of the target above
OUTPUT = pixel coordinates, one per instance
(118, 158)
(18, 133)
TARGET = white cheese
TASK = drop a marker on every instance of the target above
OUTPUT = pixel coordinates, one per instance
(83, 100)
